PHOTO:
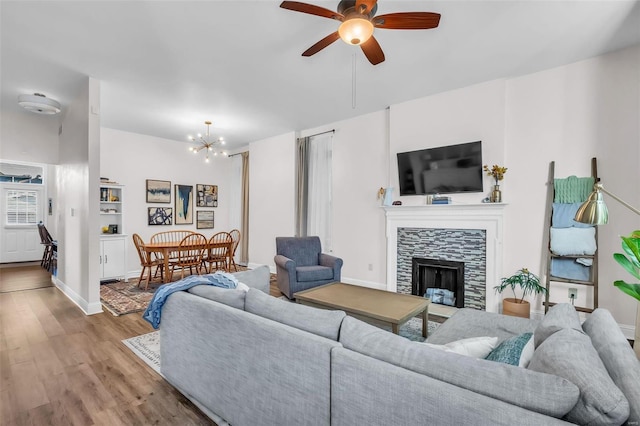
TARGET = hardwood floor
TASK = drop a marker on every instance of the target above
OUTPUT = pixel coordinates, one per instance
(61, 367)
(14, 277)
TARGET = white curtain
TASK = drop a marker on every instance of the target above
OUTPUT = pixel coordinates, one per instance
(319, 211)
(235, 193)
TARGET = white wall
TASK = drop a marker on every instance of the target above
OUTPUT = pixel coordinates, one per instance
(130, 159)
(271, 196)
(77, 195)
(26, 136)
(567, 114)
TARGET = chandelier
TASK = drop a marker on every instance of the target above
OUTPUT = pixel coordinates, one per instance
(205, 143)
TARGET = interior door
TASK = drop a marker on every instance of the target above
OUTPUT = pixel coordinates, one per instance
(20, 211)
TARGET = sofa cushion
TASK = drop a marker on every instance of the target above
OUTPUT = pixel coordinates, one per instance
(569, 353)
(516, 350)
(229, 296)
(257, 278)
(617, 356)
(314, 273)
(559, 317)
(543, 393)
(322, 322)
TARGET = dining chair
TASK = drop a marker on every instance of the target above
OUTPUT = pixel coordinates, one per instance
(218, 251)
(235, 236)
(50, 248)
(169, 237)
(147, 262)
(190, 253)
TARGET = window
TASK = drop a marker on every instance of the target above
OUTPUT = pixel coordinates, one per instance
(22, 207)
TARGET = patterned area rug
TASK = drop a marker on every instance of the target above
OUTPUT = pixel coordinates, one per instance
(122, 298)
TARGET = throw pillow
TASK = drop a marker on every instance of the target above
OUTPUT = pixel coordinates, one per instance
(512, 351)
(242, 286)
(477, 347)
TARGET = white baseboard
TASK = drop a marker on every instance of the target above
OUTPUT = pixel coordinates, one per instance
(362, 283)
(86, 307)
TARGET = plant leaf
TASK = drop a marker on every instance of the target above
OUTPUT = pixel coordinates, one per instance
(632, 290)
(627, 265)
(632, 247)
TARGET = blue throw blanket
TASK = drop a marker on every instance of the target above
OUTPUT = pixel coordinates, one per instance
(154, 310)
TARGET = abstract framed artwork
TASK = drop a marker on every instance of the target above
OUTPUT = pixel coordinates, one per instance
(160, 215)
(204, 219)
(206, 195)
(184, 204)
(158, 191)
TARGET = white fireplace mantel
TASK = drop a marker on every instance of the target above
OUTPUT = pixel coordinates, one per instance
(486, 216)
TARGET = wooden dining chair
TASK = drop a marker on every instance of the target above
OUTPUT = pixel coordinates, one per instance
(169, 237)
(189, 254)
(147, 262)
(218, 252)
(235, 236)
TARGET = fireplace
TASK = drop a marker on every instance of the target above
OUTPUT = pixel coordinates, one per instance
(440, 280)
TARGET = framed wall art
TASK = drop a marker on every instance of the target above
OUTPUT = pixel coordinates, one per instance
(206, 195)
(184, 204)
(158, 191)
(204, 219)
(160, 215)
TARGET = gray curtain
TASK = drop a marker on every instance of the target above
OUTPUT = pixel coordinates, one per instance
(302, 185)
(244, 231)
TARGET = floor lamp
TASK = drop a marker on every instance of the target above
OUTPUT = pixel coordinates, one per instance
(594, 212)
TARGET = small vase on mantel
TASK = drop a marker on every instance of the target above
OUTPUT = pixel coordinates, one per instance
(496, 194)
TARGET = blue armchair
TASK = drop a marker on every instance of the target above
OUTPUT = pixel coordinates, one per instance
(300, 264)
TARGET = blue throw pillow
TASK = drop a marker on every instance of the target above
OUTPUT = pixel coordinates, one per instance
(510, 351)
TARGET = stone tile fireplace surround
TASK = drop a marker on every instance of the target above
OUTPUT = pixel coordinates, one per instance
(440, 231)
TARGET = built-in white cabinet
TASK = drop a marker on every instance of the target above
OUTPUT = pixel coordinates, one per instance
(112, 237)
(112, 257)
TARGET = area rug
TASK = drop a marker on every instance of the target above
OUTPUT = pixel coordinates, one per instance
(122, 298)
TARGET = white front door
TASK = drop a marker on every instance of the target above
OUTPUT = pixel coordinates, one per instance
(21, 208)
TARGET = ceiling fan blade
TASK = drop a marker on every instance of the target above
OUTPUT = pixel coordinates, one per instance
(367, 4)
(321, 44)
(373, 51)
(407, 21)
(311, 10)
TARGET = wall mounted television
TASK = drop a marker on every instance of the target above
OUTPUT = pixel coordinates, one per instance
(442, 170)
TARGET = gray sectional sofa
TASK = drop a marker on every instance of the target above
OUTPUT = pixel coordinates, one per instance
(252, 359)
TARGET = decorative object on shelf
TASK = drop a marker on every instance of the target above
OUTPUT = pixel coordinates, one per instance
(158, 191)
(204, 219)
(160, 215)
(397, 203)
(497, 173)
(208, 145)
(206, 195)
(39, 104)
(387, 196)
(184, 204)
(113, 229)
(529, 283)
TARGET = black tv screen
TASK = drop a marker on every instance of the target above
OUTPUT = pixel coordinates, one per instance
(442, 170)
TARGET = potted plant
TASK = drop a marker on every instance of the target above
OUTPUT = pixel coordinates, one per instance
(631, 263)
(529, 283)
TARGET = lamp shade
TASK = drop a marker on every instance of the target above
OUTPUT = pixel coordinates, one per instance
(593, 211)
(355, 30)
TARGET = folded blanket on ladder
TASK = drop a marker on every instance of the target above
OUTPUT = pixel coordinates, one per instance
(572, 189)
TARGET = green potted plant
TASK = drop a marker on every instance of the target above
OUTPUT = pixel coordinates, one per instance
(631, 263)
(529, 283)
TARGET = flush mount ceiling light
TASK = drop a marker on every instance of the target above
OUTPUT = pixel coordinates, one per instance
(39, 104)
(204, 143)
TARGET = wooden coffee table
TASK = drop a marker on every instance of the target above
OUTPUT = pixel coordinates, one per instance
(368, 304)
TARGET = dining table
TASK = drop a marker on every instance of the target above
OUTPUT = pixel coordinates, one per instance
(166, 248)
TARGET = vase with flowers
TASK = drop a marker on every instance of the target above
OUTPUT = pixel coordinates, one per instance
(497, 172)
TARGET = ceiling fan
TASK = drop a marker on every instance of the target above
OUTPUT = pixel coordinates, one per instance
(358, 22)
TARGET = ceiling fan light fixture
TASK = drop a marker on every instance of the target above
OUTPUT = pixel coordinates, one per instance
(39, 104)
(356, 30)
